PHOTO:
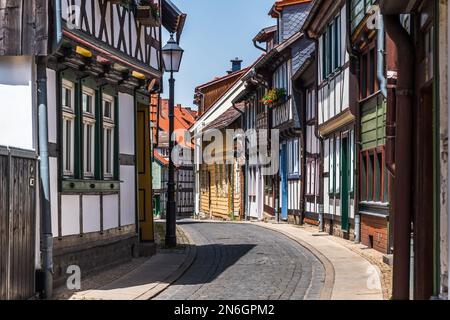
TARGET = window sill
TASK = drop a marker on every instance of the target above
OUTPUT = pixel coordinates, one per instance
(90, 186)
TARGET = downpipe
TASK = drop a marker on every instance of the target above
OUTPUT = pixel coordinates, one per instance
(355, 109)
(403, 174)
(448, 188)
(46, 244)
(381, 51)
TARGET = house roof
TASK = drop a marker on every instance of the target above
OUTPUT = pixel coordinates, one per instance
(172, 18)
(158, 157)
(265, 34)
(227, 118)
(280, 4)
(278, 53)
(220, 79)
(183, 120)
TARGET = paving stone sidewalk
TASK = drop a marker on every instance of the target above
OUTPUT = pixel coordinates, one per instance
(140, 279)
(355, 277)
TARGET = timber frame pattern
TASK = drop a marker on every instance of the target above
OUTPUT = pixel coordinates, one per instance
(131, 43)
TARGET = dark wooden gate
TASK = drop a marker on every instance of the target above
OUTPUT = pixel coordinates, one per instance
(17, 223)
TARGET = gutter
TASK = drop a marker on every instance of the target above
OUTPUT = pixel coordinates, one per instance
(404, 97)
(259, 47)
(354, 72)
(448, 182)
(46, 245)
(57, 25)
(381, 51)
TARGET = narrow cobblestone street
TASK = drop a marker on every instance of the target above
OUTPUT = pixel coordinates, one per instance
(239, 261)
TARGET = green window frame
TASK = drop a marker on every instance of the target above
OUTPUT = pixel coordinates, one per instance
(332, 47)
(86, 147)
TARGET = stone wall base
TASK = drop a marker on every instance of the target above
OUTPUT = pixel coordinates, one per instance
(333, 228)
(92, 256)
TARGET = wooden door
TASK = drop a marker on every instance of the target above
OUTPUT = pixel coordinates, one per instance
(17, 224)
(144, 174)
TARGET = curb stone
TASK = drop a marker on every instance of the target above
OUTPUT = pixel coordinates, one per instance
(169, 280)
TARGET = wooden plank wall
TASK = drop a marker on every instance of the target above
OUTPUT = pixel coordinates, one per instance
(17, 227)
(24, 27)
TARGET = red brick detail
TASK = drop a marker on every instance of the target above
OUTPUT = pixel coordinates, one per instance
(377, 229)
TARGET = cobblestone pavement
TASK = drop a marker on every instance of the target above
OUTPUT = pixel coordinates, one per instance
(245, 262)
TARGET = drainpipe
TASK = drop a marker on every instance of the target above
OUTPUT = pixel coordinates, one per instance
(380, 61)
(57, 25)
(245, 180)
(403, 173)
(44, 170)
(448, 183)
(259, 47)
(354, 107)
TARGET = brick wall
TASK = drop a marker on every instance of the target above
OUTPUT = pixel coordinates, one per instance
(377, 229)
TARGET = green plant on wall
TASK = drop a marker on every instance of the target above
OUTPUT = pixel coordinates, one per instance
(154, 8)
(274, 95)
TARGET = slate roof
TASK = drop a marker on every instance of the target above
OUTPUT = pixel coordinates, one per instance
(227, 118)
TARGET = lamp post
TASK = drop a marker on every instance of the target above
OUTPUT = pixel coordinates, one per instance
(171, 54)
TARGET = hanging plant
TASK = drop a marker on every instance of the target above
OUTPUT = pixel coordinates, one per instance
(274, 95)
(147, 13)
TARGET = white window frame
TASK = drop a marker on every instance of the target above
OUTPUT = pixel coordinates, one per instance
(109, 127)
(89, 120)
(68, 114)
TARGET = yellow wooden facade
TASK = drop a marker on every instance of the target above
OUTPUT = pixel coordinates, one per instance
(221, 188)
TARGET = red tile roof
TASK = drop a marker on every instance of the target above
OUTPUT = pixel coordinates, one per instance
(160, 158)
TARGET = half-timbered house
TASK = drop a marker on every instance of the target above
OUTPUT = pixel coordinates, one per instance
(259, 195)
(368, 47)
(327, 25)
(95, 63)
(283, 100)
(220, 176)
(213, 99)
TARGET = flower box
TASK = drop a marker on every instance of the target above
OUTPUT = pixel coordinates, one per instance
(148, 14)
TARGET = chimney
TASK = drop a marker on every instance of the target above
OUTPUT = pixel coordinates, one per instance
(236, 65)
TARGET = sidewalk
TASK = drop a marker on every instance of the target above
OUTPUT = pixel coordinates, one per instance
(141, 279)
(349, 275)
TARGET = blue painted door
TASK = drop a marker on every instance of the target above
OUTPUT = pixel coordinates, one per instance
(284, 183)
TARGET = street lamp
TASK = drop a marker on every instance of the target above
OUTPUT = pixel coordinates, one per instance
(171, 54)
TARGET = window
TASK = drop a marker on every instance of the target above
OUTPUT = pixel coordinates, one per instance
(261, 91)
(294, 157)
(108, 136)
(368, 77)
(88, 131)
(332, 47)
(310, 104)
(69, 117)
(374, 176)
(280, 77)
(89, 121)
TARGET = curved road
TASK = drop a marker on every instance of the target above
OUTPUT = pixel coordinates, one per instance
(246, 262)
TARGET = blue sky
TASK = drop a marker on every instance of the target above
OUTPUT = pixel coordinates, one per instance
(216, 31)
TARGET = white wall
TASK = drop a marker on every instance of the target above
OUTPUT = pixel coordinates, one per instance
(127, 196)
(17, 113)
(70, 215)
(110, 212)
(126, 123)
(127, 173)
(91, 213)
(52, 106)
